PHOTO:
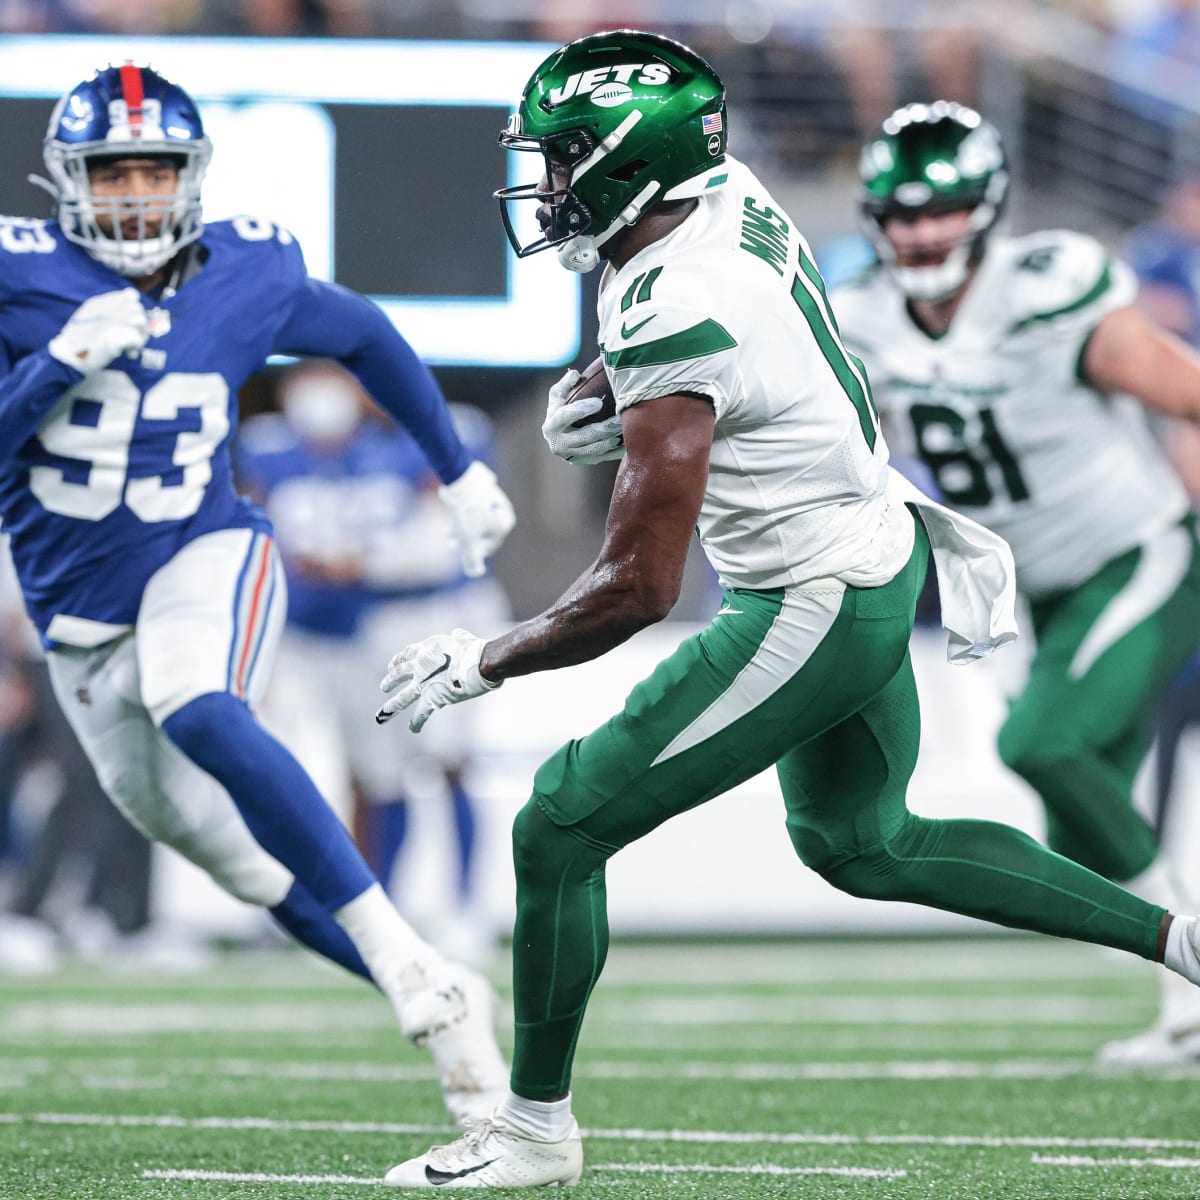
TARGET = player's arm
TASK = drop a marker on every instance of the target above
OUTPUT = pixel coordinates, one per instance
(331, 321)
(334, 322)
(634, 582)
(636, 579)
(99, 330)
(1127, 352)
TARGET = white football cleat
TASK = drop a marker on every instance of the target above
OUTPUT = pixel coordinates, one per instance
(455, 1020)
(492, 1154)
(1157, 1047)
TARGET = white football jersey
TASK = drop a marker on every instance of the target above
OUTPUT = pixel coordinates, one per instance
(998, 410)
(730, 306)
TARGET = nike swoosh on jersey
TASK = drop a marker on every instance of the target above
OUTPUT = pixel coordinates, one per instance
(628, 333)
(437, 1178)
(438, 670)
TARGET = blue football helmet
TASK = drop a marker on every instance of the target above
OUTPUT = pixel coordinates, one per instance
(126, 112)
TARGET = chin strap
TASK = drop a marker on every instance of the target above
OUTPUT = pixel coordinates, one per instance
(579, 254)
(582, 252)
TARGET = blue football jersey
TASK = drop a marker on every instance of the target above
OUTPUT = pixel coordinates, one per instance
(115, 471)
(355, 501)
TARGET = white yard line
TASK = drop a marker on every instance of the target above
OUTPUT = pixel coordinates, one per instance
(697, 1136)
(606, 1168)
(1083, 1160)
(260, 1177)
(756, 1169)
(122, 1073)
(25, 1020)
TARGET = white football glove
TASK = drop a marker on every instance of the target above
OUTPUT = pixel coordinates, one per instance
(600, 442)
(440, 670)
(482, 514)
(100, 328)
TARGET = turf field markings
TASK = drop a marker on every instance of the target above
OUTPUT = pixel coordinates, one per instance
(680, 1009)
(193, 1175)
(688, 1136)
(754, 1169)
(1083, 1160)
(260, 1177)
(123, 1073)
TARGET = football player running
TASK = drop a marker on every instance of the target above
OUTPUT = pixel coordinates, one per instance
(741, 413)
(129, 327)
(1006, 365)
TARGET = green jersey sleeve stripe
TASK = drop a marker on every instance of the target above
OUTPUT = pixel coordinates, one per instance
(1089, 297)
(706, 338)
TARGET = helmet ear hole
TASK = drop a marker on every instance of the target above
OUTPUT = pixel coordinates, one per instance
(629, 171)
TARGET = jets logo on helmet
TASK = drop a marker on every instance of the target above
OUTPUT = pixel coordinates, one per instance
(126, 112)
(934, 158)
(611, 80)
(624, 113)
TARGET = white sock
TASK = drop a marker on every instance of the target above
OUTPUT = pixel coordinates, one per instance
(399, 959)
(1181, 954)
(1158, 884)
(542, 1120)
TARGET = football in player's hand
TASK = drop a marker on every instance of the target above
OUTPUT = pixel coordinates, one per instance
(593, 382)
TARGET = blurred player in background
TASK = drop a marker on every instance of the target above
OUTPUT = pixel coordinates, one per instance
(129, 327)
(365, 543)
(1006, 365)
(742, 416)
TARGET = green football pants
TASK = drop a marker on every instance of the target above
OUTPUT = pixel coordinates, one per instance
(1084, 721)
(817, 681)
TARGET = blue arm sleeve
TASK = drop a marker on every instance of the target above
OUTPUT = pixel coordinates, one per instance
(27, 393)
(334, 322)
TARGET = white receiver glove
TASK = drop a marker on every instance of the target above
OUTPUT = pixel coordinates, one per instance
(600, 442)
(482, 514)
(99, 329)
(441, 670)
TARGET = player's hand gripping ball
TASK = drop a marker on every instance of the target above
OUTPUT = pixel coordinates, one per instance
(581, 423)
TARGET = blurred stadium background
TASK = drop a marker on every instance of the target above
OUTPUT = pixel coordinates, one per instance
(368, 127)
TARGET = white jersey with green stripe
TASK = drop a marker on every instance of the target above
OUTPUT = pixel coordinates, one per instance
(999, 411)
(729, 306)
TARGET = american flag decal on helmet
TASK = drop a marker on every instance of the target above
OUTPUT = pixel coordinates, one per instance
(712, 123)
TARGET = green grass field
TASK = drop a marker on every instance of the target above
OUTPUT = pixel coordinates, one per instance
(897, 1070)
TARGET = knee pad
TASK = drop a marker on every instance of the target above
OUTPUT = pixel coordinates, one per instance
(545, 850)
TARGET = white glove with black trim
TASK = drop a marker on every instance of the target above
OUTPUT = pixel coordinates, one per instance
(602, 441)
(482, 514)
(441, 670)
(99, 329)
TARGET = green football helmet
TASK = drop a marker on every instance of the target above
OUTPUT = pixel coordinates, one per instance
(636, 117)
(933, 158)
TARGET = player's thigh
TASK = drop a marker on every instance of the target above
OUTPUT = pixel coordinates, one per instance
(773, 671)
(162, 793)
(210, 620)
(845, 789)
(1106, 649)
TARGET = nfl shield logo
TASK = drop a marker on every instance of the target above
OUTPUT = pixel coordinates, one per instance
(159, 321)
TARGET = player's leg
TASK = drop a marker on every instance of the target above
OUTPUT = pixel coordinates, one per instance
(1081, 728)
(766, 674)
(206, 630)
(847, 817)
(1082, 724)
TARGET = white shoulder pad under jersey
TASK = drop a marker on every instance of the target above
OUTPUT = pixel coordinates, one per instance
(1000, 411)
(729, 306)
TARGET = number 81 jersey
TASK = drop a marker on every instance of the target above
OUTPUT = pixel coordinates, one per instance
(1000, 413)
(133, 461)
